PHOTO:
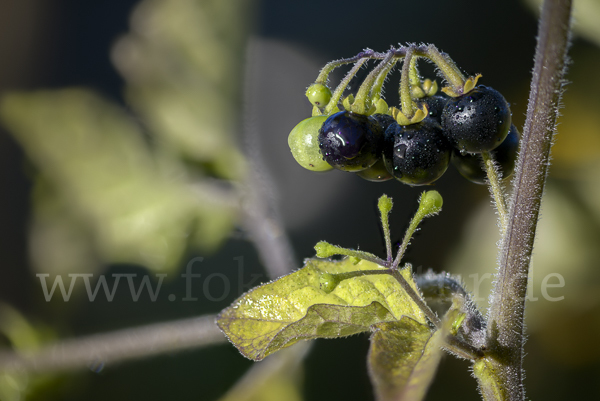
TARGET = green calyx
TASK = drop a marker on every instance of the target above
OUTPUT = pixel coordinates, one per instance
(468, 86)
(403, 119)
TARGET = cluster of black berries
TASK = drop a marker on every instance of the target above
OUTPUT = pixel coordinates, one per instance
(457, 129)
(377, 146)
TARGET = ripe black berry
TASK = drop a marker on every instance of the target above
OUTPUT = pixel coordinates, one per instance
(435, 105)
(383, 120)
(477, 121)
(348, 141)
(378, 172)
(470, 165)
(416, 154)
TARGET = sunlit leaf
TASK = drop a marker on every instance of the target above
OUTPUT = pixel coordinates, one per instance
(403, 359)
(295, 307)
(96, 168)
(183, 63)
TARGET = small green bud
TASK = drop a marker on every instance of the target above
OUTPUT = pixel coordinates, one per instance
(384, 204)
(328, 282)
(430, 87)
(430, 203)
(318, 95)
(325, 249)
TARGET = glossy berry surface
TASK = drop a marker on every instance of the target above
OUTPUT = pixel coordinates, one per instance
(470, 165)
(477, 121)
(383, 120)
(349, 141)
(376, 173)
(304, 144)
(416, 154)
(435, 105)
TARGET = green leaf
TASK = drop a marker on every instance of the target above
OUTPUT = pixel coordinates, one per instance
(182, 61)
(295, 307)
(403, 359)
(121, 201)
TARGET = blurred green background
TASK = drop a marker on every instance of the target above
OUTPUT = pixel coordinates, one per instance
(122, 141)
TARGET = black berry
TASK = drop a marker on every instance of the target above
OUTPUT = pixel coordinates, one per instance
(416, 154)
(477, 121)
(470, 165)
(348, 141)
(383, 120)
(435, 105)
(376, 173)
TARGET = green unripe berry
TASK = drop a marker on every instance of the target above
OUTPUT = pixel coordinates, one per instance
(430, 203)
(318, 94)
(304, 144)
(328, 282)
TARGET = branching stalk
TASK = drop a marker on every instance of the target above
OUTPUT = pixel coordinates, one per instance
(416, 298)
(495, 188)
(337, 94)
(408, 106)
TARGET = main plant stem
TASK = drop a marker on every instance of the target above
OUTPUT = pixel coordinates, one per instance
(502, 377)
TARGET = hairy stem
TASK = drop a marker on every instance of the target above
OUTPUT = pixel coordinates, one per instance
(448, 68)
(362, 102)
(416, 298)
(408, 106)
(495, 188)
(505, 320)
(325, 71)
(337, 94)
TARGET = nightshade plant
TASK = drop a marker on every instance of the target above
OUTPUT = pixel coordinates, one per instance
(363, 292)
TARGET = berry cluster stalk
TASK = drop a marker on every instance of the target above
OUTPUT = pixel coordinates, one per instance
(495, 188)
(500, 374)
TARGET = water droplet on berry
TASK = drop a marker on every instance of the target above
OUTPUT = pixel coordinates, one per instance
(400, 151)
